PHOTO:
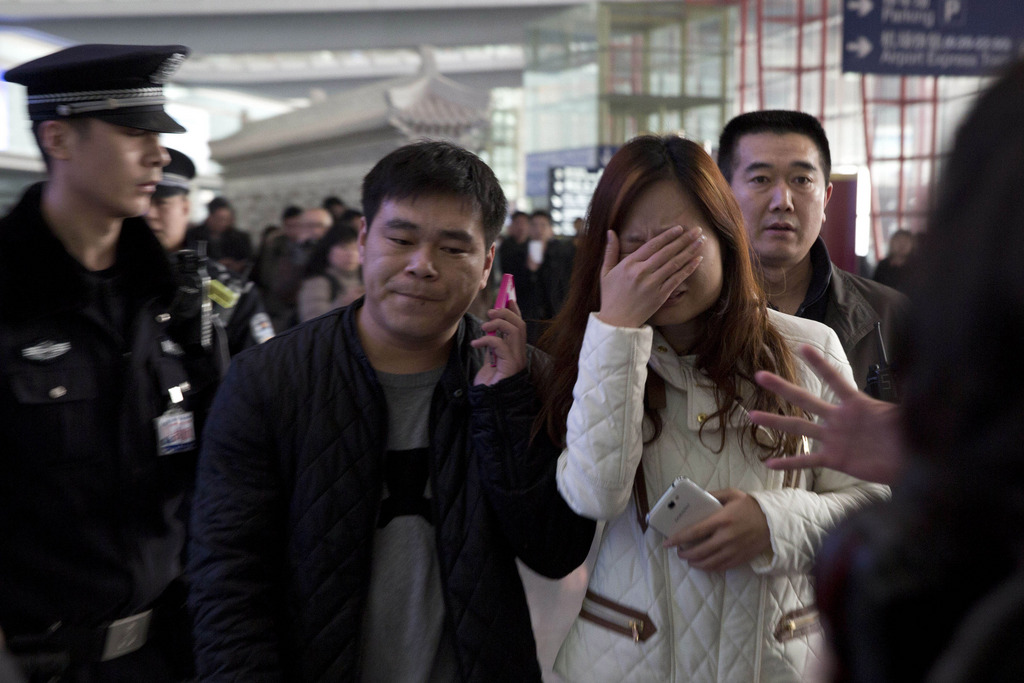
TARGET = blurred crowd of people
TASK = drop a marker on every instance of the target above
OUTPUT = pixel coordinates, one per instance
(302, 268)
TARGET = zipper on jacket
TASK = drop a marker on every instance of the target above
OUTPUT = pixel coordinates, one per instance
(628, 625)
(618, 618)
(796, 623)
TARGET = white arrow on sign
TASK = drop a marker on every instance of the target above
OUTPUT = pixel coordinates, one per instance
(862, 46)
(862, 7)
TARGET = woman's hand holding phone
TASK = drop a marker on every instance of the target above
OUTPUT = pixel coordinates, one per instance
(733, 536)
(634, 287)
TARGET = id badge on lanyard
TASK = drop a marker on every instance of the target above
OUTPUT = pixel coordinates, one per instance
(175, 430)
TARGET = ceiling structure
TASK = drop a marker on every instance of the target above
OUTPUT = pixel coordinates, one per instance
(297, 49)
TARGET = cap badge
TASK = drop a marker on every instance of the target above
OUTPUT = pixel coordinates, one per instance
(167, 69)
(46, 350)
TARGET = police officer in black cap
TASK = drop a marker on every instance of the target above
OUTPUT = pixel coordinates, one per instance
(107, 367)
(236, 301)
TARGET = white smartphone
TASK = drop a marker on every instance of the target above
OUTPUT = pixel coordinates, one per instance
(682, 505)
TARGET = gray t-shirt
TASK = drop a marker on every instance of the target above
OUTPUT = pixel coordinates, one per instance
(404, 636)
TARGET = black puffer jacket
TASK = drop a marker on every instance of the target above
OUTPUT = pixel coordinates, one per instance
(289, 490)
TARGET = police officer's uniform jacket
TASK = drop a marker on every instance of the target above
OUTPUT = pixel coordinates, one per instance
(239, 307)
(92, 526)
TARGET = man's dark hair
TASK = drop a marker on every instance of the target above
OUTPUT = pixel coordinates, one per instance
(349, 217)
(777, 121)
(332, 201)
(218, 203)
(436, 168)
(290, 212)
(339, 233)
(520, 214)
(541, 213)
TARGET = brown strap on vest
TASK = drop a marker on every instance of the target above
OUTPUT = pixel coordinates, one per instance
(640, 496)
(654, 398)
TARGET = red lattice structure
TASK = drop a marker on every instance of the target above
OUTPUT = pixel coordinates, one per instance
(789, 55)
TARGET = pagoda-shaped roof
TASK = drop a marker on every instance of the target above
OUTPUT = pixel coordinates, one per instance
(426, 104)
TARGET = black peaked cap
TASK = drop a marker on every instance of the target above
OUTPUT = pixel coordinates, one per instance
(120, 84)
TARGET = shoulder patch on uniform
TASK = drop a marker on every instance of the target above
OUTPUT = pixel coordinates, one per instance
(171, 347)
(46, 350)
(261, 327)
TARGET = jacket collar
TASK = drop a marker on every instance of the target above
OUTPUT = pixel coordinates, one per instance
(463, 361)
(38, 276)
(849, 313)
(814, 303)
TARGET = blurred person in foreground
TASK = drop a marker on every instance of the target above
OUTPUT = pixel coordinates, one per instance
(236, 302)
(654, 354)
(930, 587)
(365, 487)
(10, 672)
(109, 364)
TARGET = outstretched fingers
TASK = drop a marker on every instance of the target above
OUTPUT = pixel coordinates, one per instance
(796, 395)
(788, 424)
(839, 384)
(797, 462)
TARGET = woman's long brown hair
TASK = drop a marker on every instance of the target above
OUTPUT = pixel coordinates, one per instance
(738, 340)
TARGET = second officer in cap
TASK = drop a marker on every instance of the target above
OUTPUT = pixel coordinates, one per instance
(236, 301)
(107, 370)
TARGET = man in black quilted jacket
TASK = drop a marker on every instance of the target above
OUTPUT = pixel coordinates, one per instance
(365, 483)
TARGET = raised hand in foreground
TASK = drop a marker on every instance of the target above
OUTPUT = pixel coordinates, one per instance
(859, 435)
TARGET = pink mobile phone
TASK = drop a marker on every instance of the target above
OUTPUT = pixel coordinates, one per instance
(506, 293)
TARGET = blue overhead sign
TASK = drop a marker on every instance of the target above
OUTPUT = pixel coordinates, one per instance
(569, 193)
(931, 37)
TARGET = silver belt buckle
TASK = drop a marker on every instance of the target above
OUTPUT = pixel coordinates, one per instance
(126, 635)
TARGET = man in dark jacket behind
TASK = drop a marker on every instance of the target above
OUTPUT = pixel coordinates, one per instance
(364, 484)
(779, 164)
(225, 243)
(107, 366)
(543, 284)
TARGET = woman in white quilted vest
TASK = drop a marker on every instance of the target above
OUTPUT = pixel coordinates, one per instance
(653, 359)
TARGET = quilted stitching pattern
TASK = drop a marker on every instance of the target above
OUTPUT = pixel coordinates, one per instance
(711, 626)
(610, 384)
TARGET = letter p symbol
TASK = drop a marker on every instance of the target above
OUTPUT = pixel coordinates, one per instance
(952, 12)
